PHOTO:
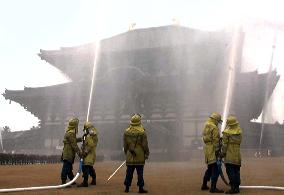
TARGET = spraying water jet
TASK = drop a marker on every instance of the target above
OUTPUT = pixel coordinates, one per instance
(231, 76)
(96, 56)
(228, 97)
(266, 95)
(81, 160)
(1, 141)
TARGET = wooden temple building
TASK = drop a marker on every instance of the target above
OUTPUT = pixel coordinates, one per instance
(174, 76)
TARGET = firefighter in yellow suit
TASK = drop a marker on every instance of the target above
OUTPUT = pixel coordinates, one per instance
(136, 150)
(90, 141)
(70, 149)
(231, 141)
(211, 139)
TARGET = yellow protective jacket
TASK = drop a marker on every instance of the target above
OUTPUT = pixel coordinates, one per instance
(89, 148)
(70, 145)
(211, 138)
(231, 141)
(135, 145)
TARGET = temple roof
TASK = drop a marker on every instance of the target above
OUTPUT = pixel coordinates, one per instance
(40, 100)
(73, 97)
(168, 67)
(250, 92)
(71, 59)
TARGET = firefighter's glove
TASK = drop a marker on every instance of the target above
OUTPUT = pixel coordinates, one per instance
(79, 139)
(84, 154)
(61, 158)
(217, 154)
(222, 155)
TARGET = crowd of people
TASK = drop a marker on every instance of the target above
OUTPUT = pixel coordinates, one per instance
(25, 159)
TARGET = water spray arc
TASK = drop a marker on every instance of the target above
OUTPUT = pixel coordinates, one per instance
(81, 160)
(96, 57)
(46, 187)
(229, 92)
(231, 76)
(1, 140)
(266, 94)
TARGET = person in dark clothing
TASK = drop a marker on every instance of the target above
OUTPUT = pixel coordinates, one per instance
(90, 141)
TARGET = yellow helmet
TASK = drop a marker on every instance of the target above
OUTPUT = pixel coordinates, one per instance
(73, 122)
(216, 116)
(88, 125)
(136, 120)
(232, 120)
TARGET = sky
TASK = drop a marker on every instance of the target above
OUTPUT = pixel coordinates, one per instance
(30, 25)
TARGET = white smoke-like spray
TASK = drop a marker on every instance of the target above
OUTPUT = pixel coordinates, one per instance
(96, 56)
(1, 138)
(232, 71)
(265, 107)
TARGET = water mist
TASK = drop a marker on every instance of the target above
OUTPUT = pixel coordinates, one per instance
(1, 140)
(96, 56)
(231, 74)
(266, 95)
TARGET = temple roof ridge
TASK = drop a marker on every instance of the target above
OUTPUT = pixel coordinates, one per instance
(67, 59)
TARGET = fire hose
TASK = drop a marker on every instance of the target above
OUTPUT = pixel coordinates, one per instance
(46, 187)
(223, 178)
(79, 171)
(262, 187)
(116, 171)
(219, 164)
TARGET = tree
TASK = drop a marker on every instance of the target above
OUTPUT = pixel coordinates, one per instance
(6, 129)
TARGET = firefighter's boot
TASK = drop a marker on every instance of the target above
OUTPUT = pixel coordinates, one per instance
(126, 189)
(142, 190)
(84, 183)
(63, 181)
(204, 185)
(214, 189)
(233, 190)
(94, 181)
